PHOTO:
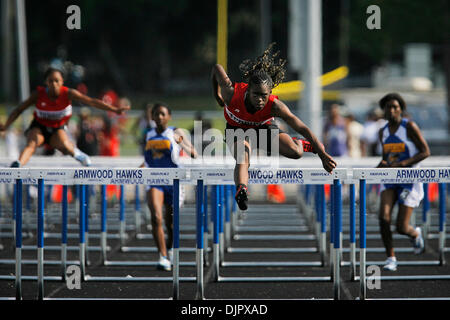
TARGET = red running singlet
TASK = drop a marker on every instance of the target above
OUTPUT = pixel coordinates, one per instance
(53, 113)
(237, 115)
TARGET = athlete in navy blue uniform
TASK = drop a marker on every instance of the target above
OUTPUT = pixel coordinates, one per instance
(162, 150)
(403, 146)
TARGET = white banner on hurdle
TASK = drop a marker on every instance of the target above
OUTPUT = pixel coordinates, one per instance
(402, 175)
(270, 176)
(94, 176)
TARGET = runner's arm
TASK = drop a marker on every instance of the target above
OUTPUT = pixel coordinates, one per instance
(279, 109)
(222, 85)
(97, 103)
(185, 144)
(383, 163)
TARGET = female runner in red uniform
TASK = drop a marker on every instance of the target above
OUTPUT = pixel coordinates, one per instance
(251, 105)
(53, 111)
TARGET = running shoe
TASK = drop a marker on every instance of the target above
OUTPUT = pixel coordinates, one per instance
(241, 197)
(164, 264)
(307, 146)
(418, 243)
(83, 158)
(15, 164)
(390, 264)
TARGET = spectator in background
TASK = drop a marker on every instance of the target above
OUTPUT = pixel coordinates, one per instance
(109, 138)
(113, 127)
(109, 96)
(87, 140)
(110, 147)
(205, 124)
(123, 102)
(371, 145)
(82, 88)
(335, 133)
(354, 132)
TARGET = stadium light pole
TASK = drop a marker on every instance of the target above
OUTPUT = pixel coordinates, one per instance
(297, 36)
(24, 81)
(7, 45)
(312, 97)
(265, 23)
(22, 49)
(222, 32)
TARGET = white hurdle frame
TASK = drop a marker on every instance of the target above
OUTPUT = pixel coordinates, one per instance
(399, 176)
(65, 176)
(225, 176)
(74, 176)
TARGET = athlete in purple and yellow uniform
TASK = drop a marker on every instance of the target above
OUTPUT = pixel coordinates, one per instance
(162, 150)
(403, 146)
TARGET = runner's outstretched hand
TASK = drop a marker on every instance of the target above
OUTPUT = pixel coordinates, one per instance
(121, 110)
(328, 162)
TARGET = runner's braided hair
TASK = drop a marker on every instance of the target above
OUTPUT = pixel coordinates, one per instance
(265, 69)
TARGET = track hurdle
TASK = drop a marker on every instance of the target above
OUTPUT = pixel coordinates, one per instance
(260, 223)
(84, 177)
(219, 177)
(150, 176)
(399, 176)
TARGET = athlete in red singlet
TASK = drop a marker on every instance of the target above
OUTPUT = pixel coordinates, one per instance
(53, 110)
(251, 105)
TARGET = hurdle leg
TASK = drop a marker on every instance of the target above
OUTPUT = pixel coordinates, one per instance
(337, 240)
(352, 234)
(18, 236)
(362, 239)
(442, 208)
(86, 230)
(14, 209)
(323, 224)
(233, 216)
(40, 238)
(226, 200)
(27, 215)
(64, 233)
(122, 216)
(103, 237)
(332, 231)
(425, 208)
(317, 208)
(205, 226)
(176, 239)
(216, 253)
(199, 252)
(221, 233)
(137, 211)
(82, 223)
